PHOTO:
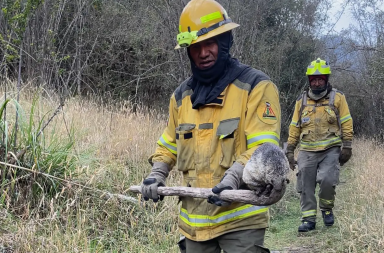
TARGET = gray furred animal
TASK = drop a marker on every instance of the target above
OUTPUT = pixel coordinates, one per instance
(266, 171)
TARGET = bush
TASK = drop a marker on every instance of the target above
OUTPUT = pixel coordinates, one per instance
(34, 156)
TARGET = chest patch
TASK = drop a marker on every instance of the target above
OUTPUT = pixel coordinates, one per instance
(266, 113)
(305, 120)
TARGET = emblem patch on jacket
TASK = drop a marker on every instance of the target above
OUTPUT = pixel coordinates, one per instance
(266, 113)
(305, 120)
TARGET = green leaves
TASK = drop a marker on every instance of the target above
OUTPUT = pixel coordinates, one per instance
(16, 16)
(32, 145)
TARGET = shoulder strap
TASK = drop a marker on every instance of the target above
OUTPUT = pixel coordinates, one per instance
(332, 95)
(303, 104)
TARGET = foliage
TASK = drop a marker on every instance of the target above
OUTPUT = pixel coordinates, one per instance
(15, 15)
(124, 50)
(356, 56)
(28, 146)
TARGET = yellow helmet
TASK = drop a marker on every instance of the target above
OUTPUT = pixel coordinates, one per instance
(201, 20)
(318, 67)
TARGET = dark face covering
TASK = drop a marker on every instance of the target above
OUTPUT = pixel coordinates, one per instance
(210, 75)
(318, 89)
(320, 95)
(209, 83)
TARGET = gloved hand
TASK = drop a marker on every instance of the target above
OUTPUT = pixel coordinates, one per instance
(346, 152)
(231, 181)
(155, 179)
(290, 154)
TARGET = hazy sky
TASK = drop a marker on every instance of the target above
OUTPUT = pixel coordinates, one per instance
(345, 19)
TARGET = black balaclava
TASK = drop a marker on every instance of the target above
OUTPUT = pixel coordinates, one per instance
(322, 94)
(319, 90)
(210, 75)
(209, 83)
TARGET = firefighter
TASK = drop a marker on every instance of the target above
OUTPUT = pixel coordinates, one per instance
(217, 118)
(322, 124)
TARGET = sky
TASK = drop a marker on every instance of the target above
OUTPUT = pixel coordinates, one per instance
(346, 18)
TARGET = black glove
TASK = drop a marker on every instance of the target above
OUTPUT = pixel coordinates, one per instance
(157, 178)
(231, 181)
(346, 152)
(290, 154)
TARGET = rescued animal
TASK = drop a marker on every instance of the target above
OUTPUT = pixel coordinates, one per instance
(266, 171)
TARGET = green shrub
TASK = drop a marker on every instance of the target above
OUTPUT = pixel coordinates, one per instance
(32, 143)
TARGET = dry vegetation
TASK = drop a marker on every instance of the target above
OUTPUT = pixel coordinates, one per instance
(123, 51)
(362, 212)
(85, 220)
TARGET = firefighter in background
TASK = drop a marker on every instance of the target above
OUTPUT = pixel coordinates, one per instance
(322, 125)
(217, 118)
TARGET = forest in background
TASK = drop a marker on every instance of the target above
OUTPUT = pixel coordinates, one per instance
(84, 91)
(122, 50)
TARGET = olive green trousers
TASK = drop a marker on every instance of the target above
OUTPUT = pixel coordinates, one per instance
(320, 168)
(245, 241)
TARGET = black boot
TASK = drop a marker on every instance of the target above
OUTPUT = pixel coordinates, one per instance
(328, 218)
(307, 226)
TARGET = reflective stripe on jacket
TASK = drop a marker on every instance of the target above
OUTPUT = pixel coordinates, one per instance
(205, 142)
(319, 129)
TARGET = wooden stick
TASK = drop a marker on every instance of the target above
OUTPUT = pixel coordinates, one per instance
(242, 196)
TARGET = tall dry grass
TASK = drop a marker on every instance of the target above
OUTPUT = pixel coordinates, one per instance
(85, 220)
(362, 198)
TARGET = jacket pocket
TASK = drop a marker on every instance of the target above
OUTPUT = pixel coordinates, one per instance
(306, 116)
(185, 141)
(333, 129)
(303, 134)
(331, 115)
(227, 137)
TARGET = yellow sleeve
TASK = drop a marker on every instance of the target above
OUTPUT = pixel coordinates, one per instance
(263, 118)
(294, 131)
(345, 119)
(166, 151)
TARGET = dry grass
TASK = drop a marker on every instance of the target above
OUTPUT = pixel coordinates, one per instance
(82, 220)
(359, 209)
(362, 218)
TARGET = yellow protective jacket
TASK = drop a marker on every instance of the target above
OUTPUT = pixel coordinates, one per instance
(320, 124)
(205, 142)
